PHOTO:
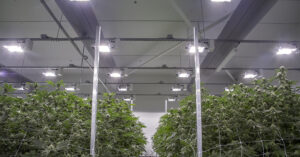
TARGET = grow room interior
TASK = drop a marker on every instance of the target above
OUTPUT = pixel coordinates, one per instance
(147, 52)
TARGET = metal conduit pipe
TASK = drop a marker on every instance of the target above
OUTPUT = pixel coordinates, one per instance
(143, 68)
(153, 39)
(69, 38)
(140, 83)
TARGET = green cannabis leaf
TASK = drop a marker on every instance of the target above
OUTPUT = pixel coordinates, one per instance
(258, 120)
(57, 123)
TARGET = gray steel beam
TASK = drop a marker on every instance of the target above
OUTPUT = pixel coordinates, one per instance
(142, 83)
(11, 75)
(84, 22)
(146, 68)
(243, 20)
(64, 30)
(154, 39)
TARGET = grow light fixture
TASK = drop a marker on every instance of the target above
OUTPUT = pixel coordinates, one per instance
(171, 99)
(49, 74)
(183, 75)
(14, 48)
(250, 75)
(122, 88)
(79, 0)
(285, 51)
(127, 99)
(176, 89)
(193, 50)
(104, 48)
(2, 73)
(20, 88)
(115, 75)
(71, 89)
(221, 0)
(228, 89)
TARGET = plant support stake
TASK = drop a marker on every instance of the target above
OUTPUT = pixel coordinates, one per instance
(131, 107)
(198, 94)
(166, 105)
(95, 92)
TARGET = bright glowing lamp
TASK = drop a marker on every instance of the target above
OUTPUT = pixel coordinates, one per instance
(171, 99)
(122, 88)
(200, 49)
(176, 89)
(228, 89)
(127, 99)
(49, 74)
(104, 48)
(20, 88)
(70, 89)
(221, 0)
(285, 51)
(14, 48)
(183, 75)
(79, 0)
(249, 75)
(115, 75)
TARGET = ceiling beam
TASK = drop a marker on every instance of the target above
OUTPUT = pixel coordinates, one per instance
(226, 60)
(84, 22)
(145, 59)
(181, 13)
(154, 39)
(243, 20)
(231, 76)
(146, 68)
(12, 75)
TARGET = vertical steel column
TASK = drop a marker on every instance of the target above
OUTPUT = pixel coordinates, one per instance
(198, 94)
(166, 105)
(131, 106)
(95, 92)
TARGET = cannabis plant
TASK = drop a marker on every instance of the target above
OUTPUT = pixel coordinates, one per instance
(258, 120)
(57, 123)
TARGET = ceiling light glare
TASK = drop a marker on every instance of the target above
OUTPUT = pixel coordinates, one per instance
(228, 89)
(171, 99)
(2, 73)
(127, 99)
(250, 75)
(104, 48)
(176, 89)
(122, 88)
(49, 74)
(115, 75)
(183, 75)
(221, 0)
(14, 48)
(285, 51)
(71, 89)
(200, 49)
(20, 88)
(79, 0)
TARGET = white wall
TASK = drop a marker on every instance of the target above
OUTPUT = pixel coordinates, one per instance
(151, 121)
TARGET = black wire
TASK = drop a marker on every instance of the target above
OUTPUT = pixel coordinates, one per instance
(60, 20)
(203, 22)
(81, 64)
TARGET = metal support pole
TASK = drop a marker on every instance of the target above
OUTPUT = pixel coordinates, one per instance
(131, 106)
(198, 94)
(166, 105)
(95, 92)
